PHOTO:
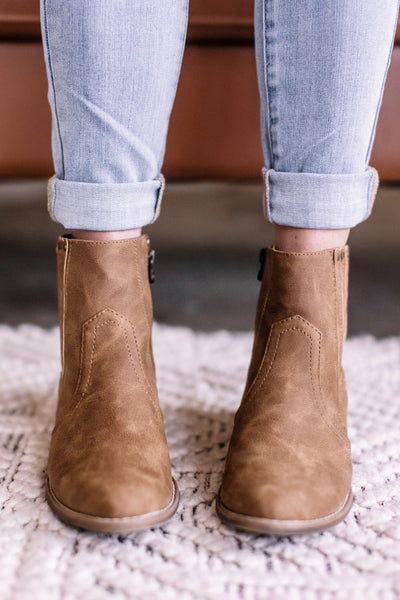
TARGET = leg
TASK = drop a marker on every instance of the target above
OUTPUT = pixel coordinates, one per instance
(321, 72)
(113, 70)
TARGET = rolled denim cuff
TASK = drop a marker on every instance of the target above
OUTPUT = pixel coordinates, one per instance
(104, 206)
(317, 200)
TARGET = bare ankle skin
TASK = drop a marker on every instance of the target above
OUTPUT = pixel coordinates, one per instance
(106, 236)
(293, 239)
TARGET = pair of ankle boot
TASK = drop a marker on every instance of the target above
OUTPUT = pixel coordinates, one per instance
(288, 468)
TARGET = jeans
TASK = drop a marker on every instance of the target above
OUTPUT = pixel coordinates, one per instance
(113, 69)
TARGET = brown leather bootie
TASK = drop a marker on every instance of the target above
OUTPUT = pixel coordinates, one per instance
(288, 468)
(108, 468)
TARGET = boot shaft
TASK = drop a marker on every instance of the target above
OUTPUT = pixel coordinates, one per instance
(102, 287)
(312, 288)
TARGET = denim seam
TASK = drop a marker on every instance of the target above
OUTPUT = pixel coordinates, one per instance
(382, 90)
(373, 185)
(51, 194)
(157, 207)
(49, 62)
(266, 196)
(267, 81)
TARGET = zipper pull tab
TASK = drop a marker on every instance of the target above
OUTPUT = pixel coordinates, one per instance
(340, 255)
(61, 244)
(262, 258)
(152, 256)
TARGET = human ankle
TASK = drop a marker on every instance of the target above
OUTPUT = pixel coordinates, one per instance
(293, 239)
(105, 236)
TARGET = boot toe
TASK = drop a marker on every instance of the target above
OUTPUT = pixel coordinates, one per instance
(273, 503)
(112, 498)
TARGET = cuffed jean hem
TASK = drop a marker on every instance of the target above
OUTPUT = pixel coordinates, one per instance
(317, 200)
(104, 206)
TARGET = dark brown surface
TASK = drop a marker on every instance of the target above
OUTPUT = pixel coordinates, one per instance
(220, 21)
(19, 19)
(25, 148)
(217, 137)
(386, 150)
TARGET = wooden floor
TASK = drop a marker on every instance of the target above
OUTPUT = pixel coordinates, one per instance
(207, 241)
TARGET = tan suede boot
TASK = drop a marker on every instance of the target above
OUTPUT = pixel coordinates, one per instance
(288, 468)
(108, 468)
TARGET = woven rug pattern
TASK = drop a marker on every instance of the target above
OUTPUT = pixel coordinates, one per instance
(194, 556)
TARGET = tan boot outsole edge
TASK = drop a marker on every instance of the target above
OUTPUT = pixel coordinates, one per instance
(282, 527)
(117, 525)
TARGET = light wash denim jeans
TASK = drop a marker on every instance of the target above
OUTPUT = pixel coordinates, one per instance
(113, 69)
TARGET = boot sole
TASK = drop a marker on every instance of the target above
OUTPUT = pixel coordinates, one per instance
(118, 525)
(282, 527)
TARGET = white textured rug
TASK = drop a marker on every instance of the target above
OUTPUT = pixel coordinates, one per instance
(200, 377)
